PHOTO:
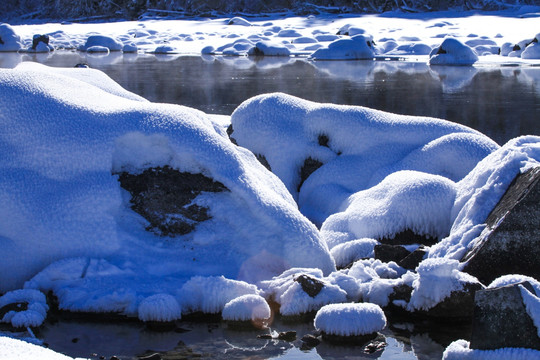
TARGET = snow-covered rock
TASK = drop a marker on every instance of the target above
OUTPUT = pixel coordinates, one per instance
(23, 308)
(103, 41)
(265, 48)
(255, 231)
(358, 47)
(159, 308)
(532, 51)
(11, 42)
(350, 319)
(452, 52)
(249, 307)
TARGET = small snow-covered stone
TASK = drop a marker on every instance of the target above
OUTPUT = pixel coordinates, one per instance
(250, 307)
(532, 51)
(350, 319)
(356, 48)
(103, 41)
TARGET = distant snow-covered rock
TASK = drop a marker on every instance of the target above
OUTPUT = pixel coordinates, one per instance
(453, 52)
(359, 47)
(103, 41)
(9, 40)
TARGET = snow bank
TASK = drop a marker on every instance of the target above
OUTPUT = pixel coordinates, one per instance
(480, 191)
(453, 52)
(356, 146)
(459, 350)
(64, 130)
(438, 278)
(350, 319)
(33, 310)
(10, 40)
(14, 349)
(247, 307)
(404, 200)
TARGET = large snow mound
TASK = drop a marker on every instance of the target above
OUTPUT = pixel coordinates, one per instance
(354, 146)
(60, 135)
(14, 349)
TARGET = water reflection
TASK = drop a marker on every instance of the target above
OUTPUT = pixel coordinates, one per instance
(501, 102)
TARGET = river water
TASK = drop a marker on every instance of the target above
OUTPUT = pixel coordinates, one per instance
(501, 102)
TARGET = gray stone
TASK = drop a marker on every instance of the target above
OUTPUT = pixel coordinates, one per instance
(387, 253)
(501, 320)
(164, 196)
(513, 245)
(408, 237)
(411, 261)
(310, 285)
(458, 306)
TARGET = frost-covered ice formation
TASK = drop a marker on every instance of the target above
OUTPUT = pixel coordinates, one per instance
(25, 307)
(453, 52)
(10, 41)
(247, 308)
(325, 153)
(159, 307)
(62, 132)
(350, 319)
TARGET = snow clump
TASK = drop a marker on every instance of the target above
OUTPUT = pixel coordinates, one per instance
(453, 52)
(33, 315)
(350, 319)
(247, 307)
(159, 307)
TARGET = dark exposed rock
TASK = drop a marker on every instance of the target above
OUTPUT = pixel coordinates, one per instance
(39, 38)
(458, 306)
(164, 197)
(287, 335)
(19, 306)
(408, 237)
(401, 293)
(440, 51)
(262, 160)
(375, 346)
(387, 253)
(411, 261)
(513, 245)
(309, 166)
(516, 48)
(310, 285)
(323, 140)
(309, 341)
(1, 41)
(230, 131)
(501, 320)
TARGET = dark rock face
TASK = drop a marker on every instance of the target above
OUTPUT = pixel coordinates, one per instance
(408, 237)
(20, 306)
(411, 261)
(230, 131)
(323, 140)
(501, 320)
(309, 166)
(310, 285)
(513, 246)
(2, 41)
(39, 38)
(262, 160)
(164, 196)
(458, 306)
(387, 253)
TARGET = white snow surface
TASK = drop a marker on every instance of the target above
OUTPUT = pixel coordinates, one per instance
(437, 279)
(460, 350)
(350, 319)
(511, 279)
(13, 349)
(36, 310)
(364, 146)
(63, 135)
(247, 307)
(480, 191)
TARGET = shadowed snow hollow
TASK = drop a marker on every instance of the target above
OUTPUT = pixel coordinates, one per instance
(64, 132)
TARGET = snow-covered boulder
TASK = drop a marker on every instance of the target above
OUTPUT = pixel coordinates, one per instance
(9, 40)
(102, 40)
(532, 51)
(265, 48)
(356, 321)
(453, 52)
(159, 308)
(325, 153)
(358, 47)
(239, 21)
(64, 134)
(247, 308)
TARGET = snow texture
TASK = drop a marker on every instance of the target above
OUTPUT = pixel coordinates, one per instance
(438, 278)
(348, 252)
(459, 350)
(210, 294)
(64, 130)
(159, 307)
(371, 145)
(404, 200)
(480, 191)
(11, 42)
(36, 310)
(247, 307)
(512, 279)
(287, 292)
(350, 319)
(13, 349)
(453, 52)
